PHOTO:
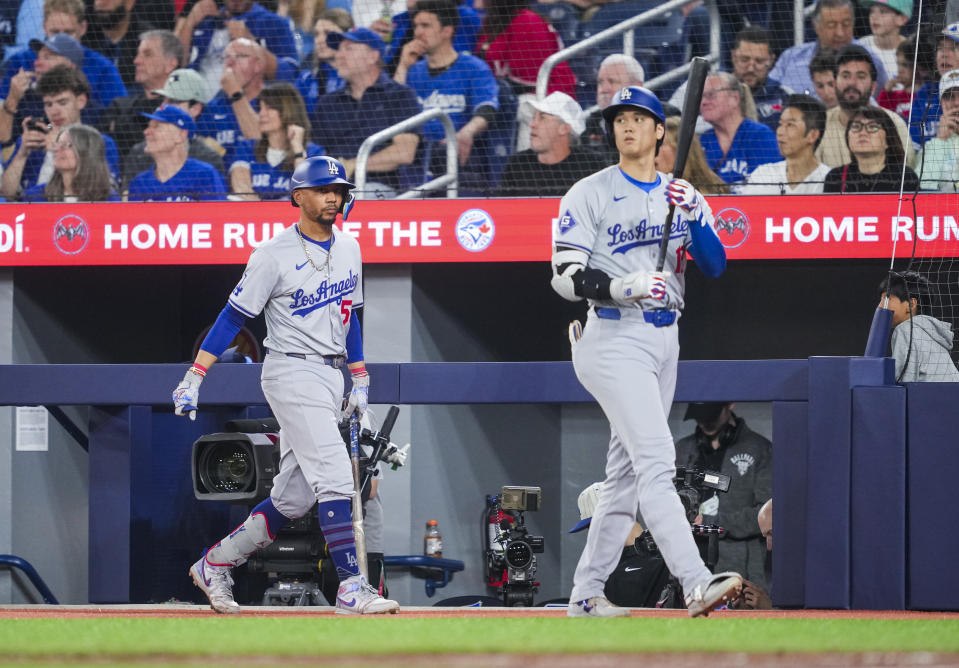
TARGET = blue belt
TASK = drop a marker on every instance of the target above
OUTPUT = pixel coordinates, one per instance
(335, 361)
(660, 317)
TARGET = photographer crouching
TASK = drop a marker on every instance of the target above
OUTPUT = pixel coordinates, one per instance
(722, 442)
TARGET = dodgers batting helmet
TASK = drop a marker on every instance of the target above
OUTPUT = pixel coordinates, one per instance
(322, 170)
(632, 98)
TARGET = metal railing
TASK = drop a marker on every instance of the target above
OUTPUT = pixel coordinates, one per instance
(627, 26)
(447, 180)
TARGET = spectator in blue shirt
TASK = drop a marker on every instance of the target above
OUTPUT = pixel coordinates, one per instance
(369, 102)
(833, 22)
(207, 30)
(261, 168)
(734, 145)
(80, 169)
(460, 84)
(232, 113)
(176, 177)
(925, 106)
(320, 76)
(465, 32)
(64, 91)
(67, 16)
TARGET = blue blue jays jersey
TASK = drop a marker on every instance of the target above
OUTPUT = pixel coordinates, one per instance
(312, 86)
(460, 90)
(196, 180)
(753, 145)
(219, 122)
(269, 182)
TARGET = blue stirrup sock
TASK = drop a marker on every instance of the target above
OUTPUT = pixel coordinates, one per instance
(336, 523)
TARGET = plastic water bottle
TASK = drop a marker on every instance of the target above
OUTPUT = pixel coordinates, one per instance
(433, 541)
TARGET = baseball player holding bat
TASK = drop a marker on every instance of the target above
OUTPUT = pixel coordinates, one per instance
(308, 280)
(606, 244)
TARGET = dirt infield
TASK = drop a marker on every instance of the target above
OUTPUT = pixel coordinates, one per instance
(189, 610)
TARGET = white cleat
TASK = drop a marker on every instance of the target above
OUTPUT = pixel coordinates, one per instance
(596, 606)
(721, 588)
(357, 597)
(216, 583)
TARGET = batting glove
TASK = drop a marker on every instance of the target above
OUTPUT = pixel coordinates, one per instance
(186, 396)
(360, 394)
(639, 285)
(681, 193)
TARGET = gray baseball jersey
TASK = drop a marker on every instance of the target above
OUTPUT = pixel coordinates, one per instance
(618, 223)
(306, 311)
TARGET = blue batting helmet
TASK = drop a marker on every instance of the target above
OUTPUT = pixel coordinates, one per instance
(322, 170)
(632, 98)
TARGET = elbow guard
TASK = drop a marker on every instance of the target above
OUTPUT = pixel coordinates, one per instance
(568, 264)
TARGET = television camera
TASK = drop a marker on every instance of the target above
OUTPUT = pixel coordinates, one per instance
(239, 465)
(510, 562)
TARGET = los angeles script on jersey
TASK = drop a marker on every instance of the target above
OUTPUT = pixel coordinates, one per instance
(622, 239)
(303, 303)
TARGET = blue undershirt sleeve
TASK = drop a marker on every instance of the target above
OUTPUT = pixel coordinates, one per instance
(707, 250)
(226, 327)
(354, 340)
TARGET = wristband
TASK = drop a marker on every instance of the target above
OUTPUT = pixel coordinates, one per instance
(236, 97)
(301, 154)
(199, 370)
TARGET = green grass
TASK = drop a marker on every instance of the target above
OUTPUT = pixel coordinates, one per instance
(326, 636)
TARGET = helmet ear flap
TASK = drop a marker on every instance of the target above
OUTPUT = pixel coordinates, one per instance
(348, 200)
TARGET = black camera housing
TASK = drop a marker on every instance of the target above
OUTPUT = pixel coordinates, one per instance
(234, 467)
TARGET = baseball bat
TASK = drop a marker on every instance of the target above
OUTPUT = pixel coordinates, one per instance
(684, 139)
(359, 533)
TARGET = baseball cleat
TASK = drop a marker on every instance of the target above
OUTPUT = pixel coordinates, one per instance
(216, 583)
(721, 588)
(356, 597)
(596, 606)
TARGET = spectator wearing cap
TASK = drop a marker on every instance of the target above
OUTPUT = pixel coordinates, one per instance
(460, 84)
(735, 145)
(617, 71)
(67, 17)
(116, 31)
(940, 155)
(886, 19)
(23, 99)
(833, 22)
(158, 54)
(232, 114)
(175, 177)
(369, 102)
(722, 442)
(855, 85)
(64, 92)
(640, 577)
(185, 89)
(925, 106)
(203, 29)
(555, 159)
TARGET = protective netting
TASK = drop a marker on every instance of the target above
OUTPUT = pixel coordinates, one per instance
(260, 86)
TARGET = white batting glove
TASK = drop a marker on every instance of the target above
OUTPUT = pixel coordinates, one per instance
(681, 193)
(186, 396)
(639, 285)
(360, 394)
(397, 456)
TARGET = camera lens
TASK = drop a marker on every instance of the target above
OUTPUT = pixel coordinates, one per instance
(227, 468)
(518, 554)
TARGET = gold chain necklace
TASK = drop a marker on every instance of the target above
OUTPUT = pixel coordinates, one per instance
(310, 259)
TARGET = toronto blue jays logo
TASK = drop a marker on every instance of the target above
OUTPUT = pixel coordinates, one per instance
(622, 239)
(303, 303)
(71, 234)
(732, 227)
(475, 230)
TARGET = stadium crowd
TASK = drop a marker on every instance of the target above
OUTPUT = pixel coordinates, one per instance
(221, 99)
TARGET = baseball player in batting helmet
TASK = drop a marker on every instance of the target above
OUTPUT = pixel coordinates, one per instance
(606, 246)
(312, 331)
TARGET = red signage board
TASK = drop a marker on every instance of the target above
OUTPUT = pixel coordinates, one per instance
(440, 230)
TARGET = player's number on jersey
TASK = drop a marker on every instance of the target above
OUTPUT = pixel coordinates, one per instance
(345, 309)
(680, 260)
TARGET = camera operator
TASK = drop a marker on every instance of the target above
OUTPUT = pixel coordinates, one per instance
(722, 442)
(640, 577)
